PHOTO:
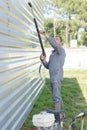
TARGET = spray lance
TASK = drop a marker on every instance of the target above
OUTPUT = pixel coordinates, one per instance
(37, 29)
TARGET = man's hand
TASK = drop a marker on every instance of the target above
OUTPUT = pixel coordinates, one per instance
(43, 32)
(43, 58)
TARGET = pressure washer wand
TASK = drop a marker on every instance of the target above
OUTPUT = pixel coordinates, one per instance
(35, 22)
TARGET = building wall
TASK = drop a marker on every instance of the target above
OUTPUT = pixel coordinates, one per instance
(76, 58)
(20, 81)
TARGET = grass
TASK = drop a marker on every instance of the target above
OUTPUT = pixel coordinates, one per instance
(74, 94)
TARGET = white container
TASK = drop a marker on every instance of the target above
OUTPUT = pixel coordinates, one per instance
(43, 120)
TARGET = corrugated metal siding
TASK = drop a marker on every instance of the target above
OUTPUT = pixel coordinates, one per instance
(20, 81)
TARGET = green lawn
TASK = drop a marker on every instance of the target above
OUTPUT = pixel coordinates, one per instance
(74, 94)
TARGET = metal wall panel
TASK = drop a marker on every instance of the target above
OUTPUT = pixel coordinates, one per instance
(20, 81)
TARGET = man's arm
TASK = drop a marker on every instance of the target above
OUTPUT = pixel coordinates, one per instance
(52, 41)
(55, 45)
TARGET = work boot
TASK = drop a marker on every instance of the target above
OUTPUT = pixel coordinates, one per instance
(57, 106)
(60, 106)
(63, 115)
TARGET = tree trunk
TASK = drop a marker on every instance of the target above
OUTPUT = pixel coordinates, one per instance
(67, 35)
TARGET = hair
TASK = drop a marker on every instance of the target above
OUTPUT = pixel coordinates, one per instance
(59, 37)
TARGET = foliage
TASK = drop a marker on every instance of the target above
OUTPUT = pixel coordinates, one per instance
(84, 38)
(49, 26)
(74, 17)
(59, 27)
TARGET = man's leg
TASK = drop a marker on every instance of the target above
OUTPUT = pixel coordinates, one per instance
(56, 91)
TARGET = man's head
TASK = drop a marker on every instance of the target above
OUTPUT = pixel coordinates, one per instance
(58, 40)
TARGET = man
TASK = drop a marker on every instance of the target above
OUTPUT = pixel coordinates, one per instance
(55, 66)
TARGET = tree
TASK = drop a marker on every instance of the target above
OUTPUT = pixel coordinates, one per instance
(82, 16)
(48, 24)
(66, 9)
(75, 15)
